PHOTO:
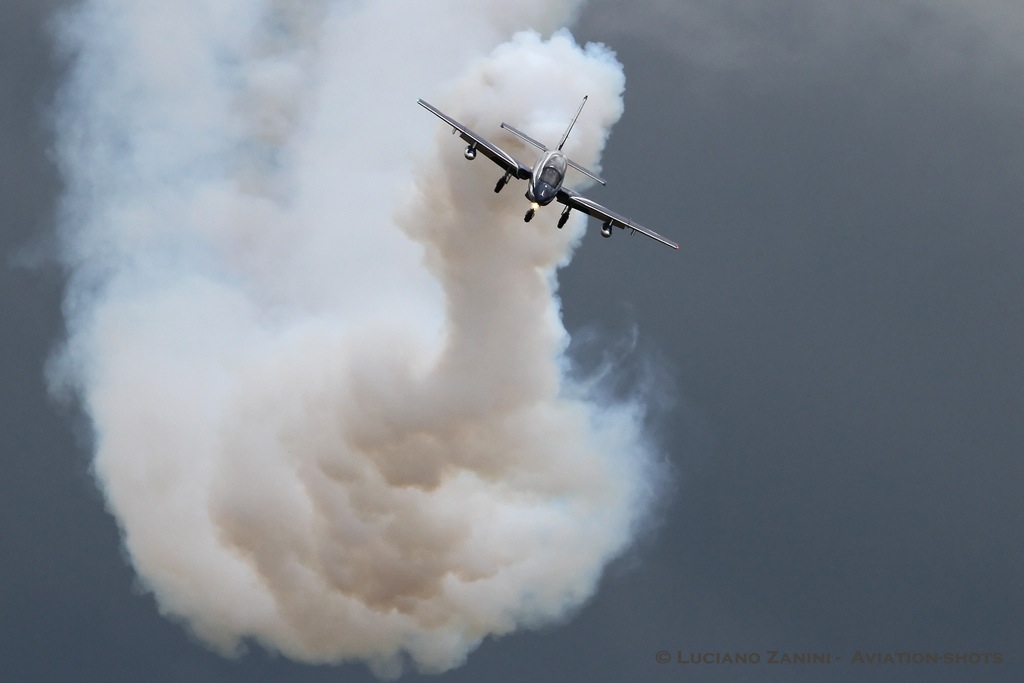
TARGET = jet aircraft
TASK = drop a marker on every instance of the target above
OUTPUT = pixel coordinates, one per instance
(546, 177)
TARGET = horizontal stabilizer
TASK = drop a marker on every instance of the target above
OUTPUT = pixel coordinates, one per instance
(523, 136)
(584, 171)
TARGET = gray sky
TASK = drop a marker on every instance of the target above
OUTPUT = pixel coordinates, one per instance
(836, 355)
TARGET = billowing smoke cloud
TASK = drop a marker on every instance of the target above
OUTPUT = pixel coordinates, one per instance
(323, 361)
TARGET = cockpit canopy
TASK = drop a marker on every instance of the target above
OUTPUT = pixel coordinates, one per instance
(553, 171)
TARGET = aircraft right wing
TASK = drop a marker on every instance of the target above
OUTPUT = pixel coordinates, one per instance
(592, 208)
(496, 154)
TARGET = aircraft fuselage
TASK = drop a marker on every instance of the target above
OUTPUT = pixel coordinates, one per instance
(546, 178)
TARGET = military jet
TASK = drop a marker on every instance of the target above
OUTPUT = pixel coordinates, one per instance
(546, 177)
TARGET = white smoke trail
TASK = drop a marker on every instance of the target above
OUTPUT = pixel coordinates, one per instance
(326, 380)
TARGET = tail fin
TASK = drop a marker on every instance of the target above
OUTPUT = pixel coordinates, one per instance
(526, 138)
(572, 123)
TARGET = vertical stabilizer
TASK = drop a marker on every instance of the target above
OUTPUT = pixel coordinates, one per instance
(572, 123)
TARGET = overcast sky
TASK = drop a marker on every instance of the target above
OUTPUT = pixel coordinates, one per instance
(834, 358)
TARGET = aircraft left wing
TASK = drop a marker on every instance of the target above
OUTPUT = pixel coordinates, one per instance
(496, 154)
(592, 208)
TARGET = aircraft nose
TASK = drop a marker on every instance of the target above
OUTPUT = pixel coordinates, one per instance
(544, 193)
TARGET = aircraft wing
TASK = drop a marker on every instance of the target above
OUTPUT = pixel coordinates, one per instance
(488, 149)
(592, 208)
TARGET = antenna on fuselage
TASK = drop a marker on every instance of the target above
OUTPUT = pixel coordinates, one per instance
(572, 123)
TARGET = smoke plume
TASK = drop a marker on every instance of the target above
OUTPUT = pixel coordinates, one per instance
(324, 363)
